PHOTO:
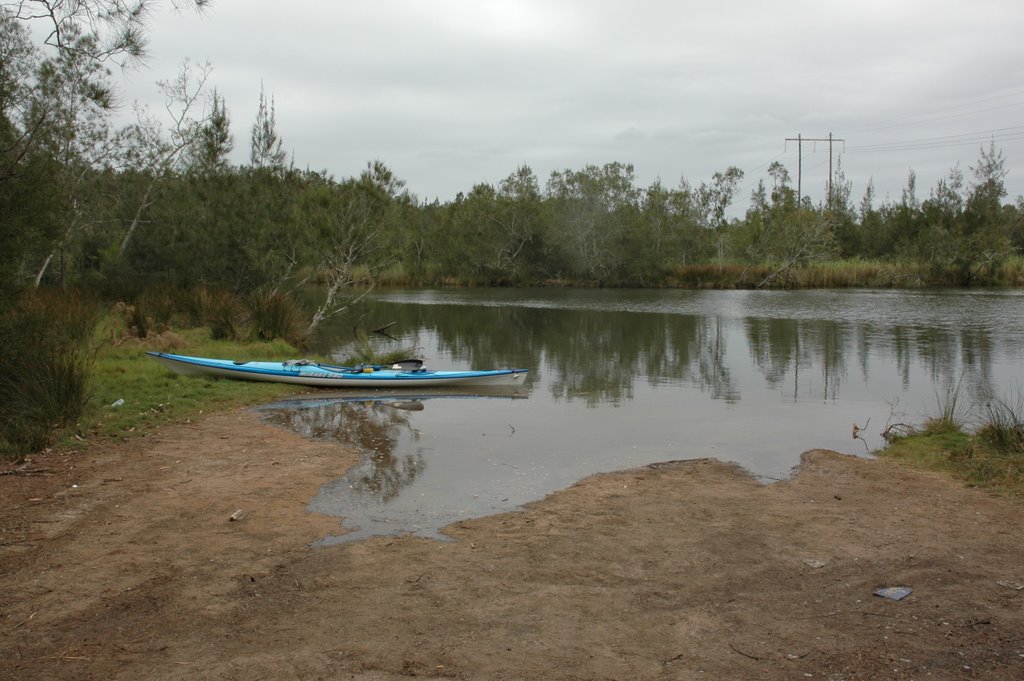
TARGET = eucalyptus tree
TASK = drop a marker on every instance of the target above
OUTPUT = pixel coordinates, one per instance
(652, 243)
(468, 249)
(156, 154)
(664, 236)
(712, 201)
(347, 228)
(801, 238)
(491, 234)
(590, 209)
(518, 223)
(422, 228)
(750, 236)
(759, 237)
(781, 234)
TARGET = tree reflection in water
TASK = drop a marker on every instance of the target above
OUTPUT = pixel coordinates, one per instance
(621, 379)
(374, 425)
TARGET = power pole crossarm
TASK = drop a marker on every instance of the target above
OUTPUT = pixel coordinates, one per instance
(800, 139)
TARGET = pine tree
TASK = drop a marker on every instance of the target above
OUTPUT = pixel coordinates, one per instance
(266, 151)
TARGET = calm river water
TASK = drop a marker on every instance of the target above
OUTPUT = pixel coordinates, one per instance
(620, 379)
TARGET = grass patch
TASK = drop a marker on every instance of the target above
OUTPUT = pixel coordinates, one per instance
(154, 396)
(991, 457)
(934, 451)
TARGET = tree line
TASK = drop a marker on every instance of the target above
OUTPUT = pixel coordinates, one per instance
(158, 203)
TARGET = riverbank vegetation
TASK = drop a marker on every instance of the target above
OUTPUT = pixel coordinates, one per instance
(152, 215)
(78, 371)
(980, 444)
(81, 372)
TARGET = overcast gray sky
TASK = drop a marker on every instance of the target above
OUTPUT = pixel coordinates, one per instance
(451, 93)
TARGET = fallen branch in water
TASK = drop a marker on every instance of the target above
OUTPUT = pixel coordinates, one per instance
(857, 436)
(896, 430)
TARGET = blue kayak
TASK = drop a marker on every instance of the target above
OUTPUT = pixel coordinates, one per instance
(405, 374)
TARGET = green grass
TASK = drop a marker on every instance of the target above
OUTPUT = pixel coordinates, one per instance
(929, 450)
(975, 458)
(154, 396)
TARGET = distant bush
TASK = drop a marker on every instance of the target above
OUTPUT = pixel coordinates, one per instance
(717, 276)
(397, 275)
(859, 274)
(1010, 272)
(46, 350)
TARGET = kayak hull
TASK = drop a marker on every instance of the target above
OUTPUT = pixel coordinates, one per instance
(325, 376)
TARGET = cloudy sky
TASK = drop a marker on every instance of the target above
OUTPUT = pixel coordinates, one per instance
(451, 93)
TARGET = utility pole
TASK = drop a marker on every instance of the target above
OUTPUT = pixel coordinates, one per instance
(800, 139)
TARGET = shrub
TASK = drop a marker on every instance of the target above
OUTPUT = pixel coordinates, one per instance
(134, 323)
(220, 310)
(1002, 425)
(161, 307)
(275, 315)
(47, 351)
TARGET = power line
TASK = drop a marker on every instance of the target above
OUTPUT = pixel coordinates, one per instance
(1015, 129)
(915, 118)
(944, 118)
(1009, 134)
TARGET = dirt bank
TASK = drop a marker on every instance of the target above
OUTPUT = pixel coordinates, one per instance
(122, 563)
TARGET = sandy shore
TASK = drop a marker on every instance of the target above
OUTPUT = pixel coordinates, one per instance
(122, 563)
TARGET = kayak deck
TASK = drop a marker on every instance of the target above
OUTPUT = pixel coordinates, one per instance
(305, 372)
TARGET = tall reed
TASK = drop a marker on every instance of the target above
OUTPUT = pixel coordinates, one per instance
(273, 314)
(47, 353)
(1002, 426)
(954, 412)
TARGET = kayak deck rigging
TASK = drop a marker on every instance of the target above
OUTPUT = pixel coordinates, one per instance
(404, 373)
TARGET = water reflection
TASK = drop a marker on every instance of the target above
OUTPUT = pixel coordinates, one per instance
(595, 345)
(374, 425)
(382, 429)
(626, 378)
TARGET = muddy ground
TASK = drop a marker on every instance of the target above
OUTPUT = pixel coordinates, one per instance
(122, 563)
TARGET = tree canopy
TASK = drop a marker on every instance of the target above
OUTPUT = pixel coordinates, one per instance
(158, 203)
